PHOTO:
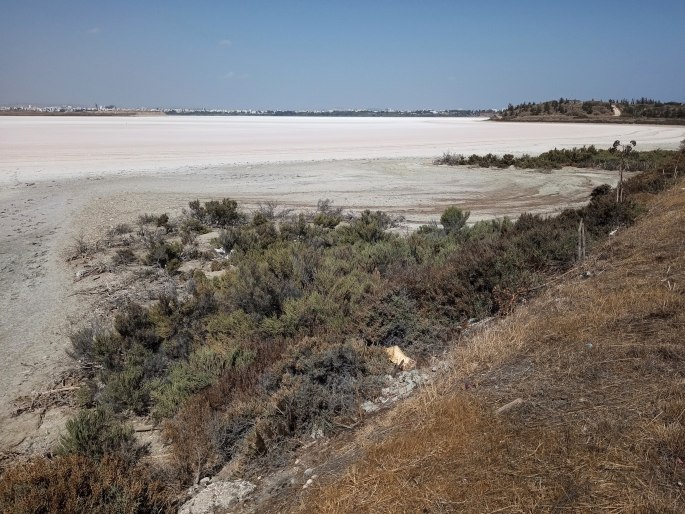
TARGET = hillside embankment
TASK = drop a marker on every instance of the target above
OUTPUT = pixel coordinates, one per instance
(575, 402)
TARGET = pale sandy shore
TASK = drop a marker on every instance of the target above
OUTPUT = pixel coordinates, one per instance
(63, 177)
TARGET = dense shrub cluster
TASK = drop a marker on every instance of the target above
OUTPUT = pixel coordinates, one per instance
(584, 157)
(291, 334)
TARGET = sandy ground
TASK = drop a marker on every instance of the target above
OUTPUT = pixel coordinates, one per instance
(82, 176)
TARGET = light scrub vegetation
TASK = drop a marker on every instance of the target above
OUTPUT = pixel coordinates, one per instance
(289, 339)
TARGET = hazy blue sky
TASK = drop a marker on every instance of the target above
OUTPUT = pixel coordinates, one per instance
(324, 54)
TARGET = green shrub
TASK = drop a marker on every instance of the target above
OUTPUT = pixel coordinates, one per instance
(186, 378)
(194, 225)
(451, 159)
(126, 389)
(166, 255)
(264, 280)
(327, 219)
(82, 343)
(248, 238)
(97, 346)
(454, 219)
(162, 220)
(222, 213)
(301, 316)
(178, 346)
(429, 245)
(147, 218)
(544, 244)
(395, 319)
(94, 433)
(584, 157)
(603, 214)
(123, 256)
(655, 180)
(488, 229)
(369, 227)
(319, 386)
(235, 325)
(134, 324)
(189, 228)
(297, 229)
(600, 191)
(386, 257)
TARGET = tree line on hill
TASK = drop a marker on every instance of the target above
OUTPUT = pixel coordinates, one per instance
(635, 109)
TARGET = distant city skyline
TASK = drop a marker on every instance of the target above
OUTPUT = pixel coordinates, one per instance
(306, 55)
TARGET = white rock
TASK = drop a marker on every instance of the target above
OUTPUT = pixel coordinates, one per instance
(368, 406)
(218, 495)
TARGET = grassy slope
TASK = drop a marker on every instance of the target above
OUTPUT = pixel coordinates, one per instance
(600, 365)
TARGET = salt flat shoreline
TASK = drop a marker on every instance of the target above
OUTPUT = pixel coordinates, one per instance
(44, 148)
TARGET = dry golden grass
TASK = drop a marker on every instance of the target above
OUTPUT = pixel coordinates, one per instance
(600, 366)
(78, 484)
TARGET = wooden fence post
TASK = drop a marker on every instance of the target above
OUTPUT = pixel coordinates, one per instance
(581, 241)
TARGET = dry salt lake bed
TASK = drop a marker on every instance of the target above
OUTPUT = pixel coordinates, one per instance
(61, 177)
